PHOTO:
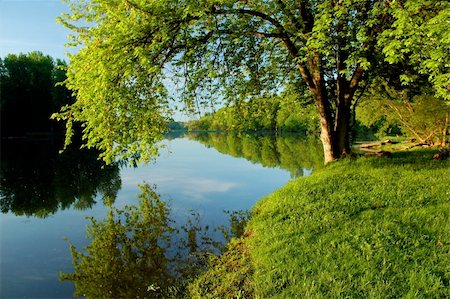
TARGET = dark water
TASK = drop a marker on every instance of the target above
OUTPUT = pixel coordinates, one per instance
(45, 196)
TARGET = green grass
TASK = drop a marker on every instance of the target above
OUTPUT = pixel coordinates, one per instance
(365, 228)
(230, 275)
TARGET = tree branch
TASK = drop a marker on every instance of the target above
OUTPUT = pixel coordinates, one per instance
(250, 12)
(405, 122)
(308, 19)
(264, 34)
(300, 27)
(356, 78)
(282, 34)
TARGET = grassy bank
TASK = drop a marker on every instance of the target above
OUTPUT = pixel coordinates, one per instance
(366, 228)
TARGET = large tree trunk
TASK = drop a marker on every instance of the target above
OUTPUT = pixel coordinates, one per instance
(334, 115)
(334, 125)
(335, 131)
(327, 135)
(342, 126)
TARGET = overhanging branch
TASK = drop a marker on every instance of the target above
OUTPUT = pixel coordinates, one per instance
(282, 34)
(250, 12)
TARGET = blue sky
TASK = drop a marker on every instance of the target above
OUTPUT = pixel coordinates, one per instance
(30, 25)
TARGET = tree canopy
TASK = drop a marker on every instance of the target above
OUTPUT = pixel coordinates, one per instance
(28, 80)
(229, 50)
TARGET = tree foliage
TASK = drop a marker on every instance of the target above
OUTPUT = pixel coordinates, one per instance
(28, 93)
(419, 37)
(420, 116)
(230, 51)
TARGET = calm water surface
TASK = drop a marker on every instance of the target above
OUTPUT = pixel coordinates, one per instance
(45, 197)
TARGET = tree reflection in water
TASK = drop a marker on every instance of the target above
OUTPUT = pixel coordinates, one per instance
(38, 181)
(298, 154)
(138, 251)
(127, 255)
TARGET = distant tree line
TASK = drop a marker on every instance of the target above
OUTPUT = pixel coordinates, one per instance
(291, 111)
(30, 94)
(34, 180)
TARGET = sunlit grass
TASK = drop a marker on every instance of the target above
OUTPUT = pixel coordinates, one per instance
(370, 228)
(365, 228)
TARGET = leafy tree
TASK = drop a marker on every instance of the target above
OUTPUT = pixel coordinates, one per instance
(420, 116)
(234, 50)
(28, 94)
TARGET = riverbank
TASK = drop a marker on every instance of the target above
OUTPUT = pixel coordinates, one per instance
(371, 227)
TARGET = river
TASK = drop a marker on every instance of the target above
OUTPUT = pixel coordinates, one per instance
(46, 197)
